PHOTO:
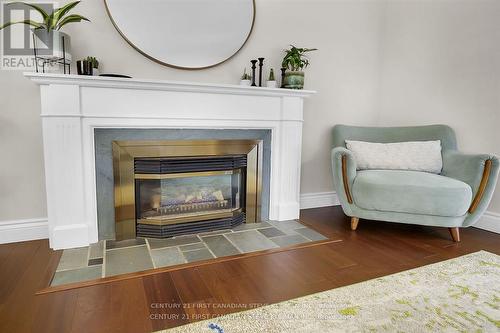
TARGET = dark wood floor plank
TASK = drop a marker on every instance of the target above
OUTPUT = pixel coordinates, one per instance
(165, 306)
(15, 266)
(22, 284)
(116, 307)
(53, 314)
(375, 249)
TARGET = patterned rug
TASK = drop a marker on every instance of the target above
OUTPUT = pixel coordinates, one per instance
(457, 295)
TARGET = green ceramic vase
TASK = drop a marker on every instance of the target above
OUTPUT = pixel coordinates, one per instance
(294, 80)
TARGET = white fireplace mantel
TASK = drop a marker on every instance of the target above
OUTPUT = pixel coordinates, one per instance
(73, 106)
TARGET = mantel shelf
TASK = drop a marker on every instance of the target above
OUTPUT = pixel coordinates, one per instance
(148, 84)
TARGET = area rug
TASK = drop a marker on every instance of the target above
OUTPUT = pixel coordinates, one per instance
(457, 295)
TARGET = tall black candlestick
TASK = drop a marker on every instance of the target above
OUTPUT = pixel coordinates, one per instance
(261, 63)
(283, 77)
(253, 72)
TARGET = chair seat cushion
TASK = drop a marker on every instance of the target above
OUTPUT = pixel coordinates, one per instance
(411, 192)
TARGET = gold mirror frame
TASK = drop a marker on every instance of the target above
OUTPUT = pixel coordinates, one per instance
(171, 65)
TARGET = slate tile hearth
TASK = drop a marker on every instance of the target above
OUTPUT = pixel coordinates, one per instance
(250, 241)
(127, 260)
(220, 246)
(197, 255)
(110, 258)
(271, 232)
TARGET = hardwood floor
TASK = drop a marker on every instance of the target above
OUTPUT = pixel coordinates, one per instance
(142, 304)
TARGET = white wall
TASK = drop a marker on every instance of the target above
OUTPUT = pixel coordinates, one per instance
(343, 71)
(387, 63)
(441, 64)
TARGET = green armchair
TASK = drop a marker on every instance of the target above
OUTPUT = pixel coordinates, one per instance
(455, 198)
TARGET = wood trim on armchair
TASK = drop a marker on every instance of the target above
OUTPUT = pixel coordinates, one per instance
(344, 179)
(482, 186)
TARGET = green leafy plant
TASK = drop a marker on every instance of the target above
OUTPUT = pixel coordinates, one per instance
(93, 61)
(53, 21)
(271, 75)
(246, 76)
(295, 58)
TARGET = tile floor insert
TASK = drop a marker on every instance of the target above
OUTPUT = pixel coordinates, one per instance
(74, 258)
(220, 246)
(127, 260)
(197, 255)
(96, 250)
(96, 261)
(250, 226)
(191, 247)
(111, 244)
(288, 240)
(77, 275)
(250, 241)
(111, 258)
(156, 243)
(271, 232)
(168, 256)
(310, 234)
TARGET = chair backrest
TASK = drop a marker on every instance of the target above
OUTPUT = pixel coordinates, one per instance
(446, 134)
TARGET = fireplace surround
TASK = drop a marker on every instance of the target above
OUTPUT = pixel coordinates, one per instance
(74, 107)
(174, 187)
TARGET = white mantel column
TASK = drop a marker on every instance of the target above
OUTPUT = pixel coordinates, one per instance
(290, 132)
(62, 142)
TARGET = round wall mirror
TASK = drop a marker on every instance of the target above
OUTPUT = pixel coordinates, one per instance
(189, 34)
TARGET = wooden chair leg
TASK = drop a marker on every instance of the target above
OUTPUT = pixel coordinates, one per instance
(455, 234)
(354, 222)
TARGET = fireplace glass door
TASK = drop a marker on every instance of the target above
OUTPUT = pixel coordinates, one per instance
(188, 197)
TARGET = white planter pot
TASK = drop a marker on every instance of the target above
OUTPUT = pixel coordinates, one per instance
(271, 84)
(245, 82)
(49, 45)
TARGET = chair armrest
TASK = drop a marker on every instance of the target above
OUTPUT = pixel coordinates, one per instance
(344, 172)
(480, 171)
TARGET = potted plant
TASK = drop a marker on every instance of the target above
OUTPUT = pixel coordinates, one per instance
(48, 31)
(271, 82)
(295, 61)
(245, 79)
(94, 64)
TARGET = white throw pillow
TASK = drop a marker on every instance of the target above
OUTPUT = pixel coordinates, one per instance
(414, 155)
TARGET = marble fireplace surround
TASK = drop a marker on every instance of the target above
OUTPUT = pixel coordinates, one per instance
(73, 107)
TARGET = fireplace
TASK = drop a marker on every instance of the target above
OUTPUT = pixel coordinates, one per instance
(171, 188)
(75, 107)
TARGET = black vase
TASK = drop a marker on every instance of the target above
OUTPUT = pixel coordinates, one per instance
(84, 67)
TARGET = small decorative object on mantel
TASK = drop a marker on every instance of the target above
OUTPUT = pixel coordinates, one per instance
(115, 75)
(271, 82)
(295, 61)
(283, 70)
(84, 67)
(261, 63)
(49, 34)
(95, 65)
(253, 72)
(245, 78)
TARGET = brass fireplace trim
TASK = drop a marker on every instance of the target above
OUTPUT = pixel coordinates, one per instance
(185, 174)
(124, 153)
(193, 218)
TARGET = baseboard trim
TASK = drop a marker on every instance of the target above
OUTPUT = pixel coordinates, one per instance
(489, 221)
(318, 199)
(23, 230)
(38, 228)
